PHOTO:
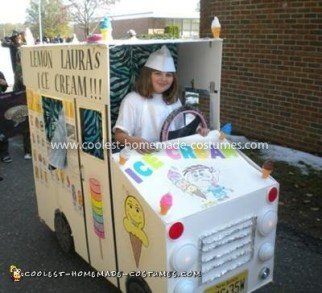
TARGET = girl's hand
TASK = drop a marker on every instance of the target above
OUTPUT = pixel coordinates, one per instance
(137, 143)
(203, 131)
(143, 146)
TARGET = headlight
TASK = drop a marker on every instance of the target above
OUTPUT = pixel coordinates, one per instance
(267, 222)
(184, 257)
(185, 286)
(266, 251)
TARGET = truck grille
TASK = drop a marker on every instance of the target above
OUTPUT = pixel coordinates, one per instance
(226, 249)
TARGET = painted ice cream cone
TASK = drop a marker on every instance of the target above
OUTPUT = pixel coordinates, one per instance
(165, 203)
(267, 169)
(198, 192)
(136, 248)
(174, 175)
(134, 222)
(97, 210)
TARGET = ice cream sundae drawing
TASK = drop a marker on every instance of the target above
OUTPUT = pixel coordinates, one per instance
(206, 179)
(178, 180)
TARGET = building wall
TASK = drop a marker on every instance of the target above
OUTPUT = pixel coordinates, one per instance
(140, 25)
(272, 68)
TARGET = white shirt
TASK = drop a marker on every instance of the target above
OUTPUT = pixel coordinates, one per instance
(142, 117)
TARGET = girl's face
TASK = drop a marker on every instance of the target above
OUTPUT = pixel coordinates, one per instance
(161, 81)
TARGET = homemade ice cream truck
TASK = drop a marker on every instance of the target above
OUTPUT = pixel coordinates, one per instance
(193, 216)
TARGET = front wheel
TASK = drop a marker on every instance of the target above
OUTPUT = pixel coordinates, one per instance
(63, 233)
(137, 285)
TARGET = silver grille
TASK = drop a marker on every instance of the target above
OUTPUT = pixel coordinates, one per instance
(226, 249)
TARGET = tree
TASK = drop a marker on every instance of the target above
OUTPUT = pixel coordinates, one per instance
(54, 17)
(6, 29)
(85, 12)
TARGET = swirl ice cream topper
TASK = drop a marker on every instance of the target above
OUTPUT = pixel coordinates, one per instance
(105, 23)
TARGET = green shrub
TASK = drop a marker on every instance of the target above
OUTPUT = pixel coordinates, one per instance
(156, 36)
(172, 30)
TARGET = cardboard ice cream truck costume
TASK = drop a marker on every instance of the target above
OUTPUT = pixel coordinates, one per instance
(182, 219)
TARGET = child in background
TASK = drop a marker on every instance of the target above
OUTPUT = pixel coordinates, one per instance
(143, 111)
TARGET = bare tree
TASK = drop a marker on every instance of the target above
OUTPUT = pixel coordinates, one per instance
(84, 12)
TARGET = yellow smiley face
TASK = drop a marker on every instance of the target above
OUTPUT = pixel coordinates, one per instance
(134, 212)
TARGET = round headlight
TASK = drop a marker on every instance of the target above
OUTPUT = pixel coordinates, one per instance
(185, 286)
(184, 257)
(267, 222)
(266, 251)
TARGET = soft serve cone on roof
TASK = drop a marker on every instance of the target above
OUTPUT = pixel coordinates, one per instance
(106, 29)
(215, 27)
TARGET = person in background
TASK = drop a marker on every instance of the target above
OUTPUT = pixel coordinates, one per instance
(4, 144)
(3, 83)
(143, 112)
(14, 43)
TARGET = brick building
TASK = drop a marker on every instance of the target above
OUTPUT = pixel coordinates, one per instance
(152, 22)
(148, 22)
(271, 86)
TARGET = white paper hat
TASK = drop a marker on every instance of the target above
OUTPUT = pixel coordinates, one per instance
(161, 60)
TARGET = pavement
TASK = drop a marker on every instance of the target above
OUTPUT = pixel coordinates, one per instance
(28, 244)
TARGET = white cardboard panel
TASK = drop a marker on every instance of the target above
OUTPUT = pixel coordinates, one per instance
(200, 62)
(154, 256)
(94, 170)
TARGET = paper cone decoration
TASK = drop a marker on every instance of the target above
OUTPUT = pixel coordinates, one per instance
(266, 173)
(222, 135)
(267, 168)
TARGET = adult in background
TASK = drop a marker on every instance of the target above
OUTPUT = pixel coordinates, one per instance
(4, 145)
(14, 43)
(3, 83)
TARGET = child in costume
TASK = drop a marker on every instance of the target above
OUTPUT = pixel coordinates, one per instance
(143, 111)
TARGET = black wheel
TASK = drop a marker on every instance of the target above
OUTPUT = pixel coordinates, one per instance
(137, 285)
(63, 233)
